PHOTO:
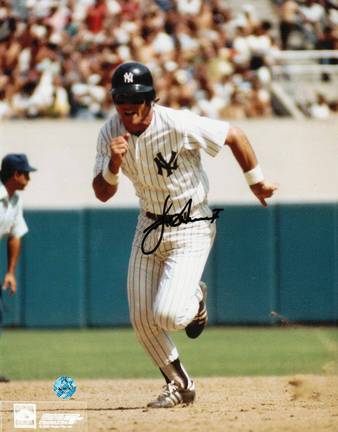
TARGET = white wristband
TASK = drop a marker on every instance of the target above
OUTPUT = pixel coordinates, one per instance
(109, 177)
(254, 176)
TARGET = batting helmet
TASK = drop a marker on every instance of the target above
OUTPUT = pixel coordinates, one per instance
(132, 77)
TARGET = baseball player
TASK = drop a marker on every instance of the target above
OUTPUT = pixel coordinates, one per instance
(14, 176)
(158, 149)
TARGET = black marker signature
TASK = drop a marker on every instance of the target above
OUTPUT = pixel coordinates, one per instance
(174, 221)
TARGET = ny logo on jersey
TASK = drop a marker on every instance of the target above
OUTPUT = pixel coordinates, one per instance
(128, 77)
(163, 164)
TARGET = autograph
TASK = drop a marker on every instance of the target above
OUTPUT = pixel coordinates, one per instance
(174, 221)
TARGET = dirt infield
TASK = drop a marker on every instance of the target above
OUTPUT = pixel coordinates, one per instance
(265, 404)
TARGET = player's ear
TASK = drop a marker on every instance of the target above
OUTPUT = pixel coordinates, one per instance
(16, 174)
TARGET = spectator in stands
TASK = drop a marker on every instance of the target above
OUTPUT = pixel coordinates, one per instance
(96, 14)
(327, 41)
(334, 107)
(313, 19)
(236, 108)
(259, 100)
(288, 21)
(320, 109)
(23, 104)
(260, 43)
(242, 54)
(60, 106)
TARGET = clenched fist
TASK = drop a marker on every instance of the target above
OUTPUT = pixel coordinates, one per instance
(118, 148)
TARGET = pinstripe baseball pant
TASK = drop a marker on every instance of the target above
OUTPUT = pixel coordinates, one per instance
(163, 288)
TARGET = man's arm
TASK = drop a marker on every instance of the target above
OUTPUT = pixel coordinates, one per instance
(245, 156)
(13, 252)
(105, 183)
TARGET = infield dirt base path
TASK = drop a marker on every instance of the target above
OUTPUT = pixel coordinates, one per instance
(264, 404)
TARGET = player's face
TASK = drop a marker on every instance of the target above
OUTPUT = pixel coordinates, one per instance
(21, 179)
(135, 113)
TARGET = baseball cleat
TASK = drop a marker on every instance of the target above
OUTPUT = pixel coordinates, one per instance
(195, 328)
(4, 379)
(173, 395)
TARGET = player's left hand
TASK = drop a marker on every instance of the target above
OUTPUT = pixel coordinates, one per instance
(263, 190)
(9, 283)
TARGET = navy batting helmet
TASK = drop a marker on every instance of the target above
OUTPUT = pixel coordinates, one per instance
(132, 78)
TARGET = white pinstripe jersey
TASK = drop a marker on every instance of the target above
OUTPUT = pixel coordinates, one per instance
(176, 135)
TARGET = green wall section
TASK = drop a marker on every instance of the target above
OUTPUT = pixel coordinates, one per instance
(73, 267)
(54, 269)
(109, 237)
(245, 265)
(308, 262)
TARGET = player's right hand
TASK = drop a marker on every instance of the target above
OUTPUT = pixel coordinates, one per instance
(9, 283)
(118, 148)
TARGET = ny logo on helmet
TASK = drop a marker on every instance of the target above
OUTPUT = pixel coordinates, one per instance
(163, 164)
(128, 77)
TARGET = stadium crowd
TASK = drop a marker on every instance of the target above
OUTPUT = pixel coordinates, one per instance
(308, 24)
(57, 56)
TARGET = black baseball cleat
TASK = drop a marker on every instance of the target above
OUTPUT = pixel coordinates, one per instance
(195, 328)
(4, 379)
(173, 395)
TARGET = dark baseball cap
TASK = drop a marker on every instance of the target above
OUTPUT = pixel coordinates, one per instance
(16, 162)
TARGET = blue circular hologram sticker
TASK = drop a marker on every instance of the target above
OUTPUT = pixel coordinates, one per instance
(64, 387)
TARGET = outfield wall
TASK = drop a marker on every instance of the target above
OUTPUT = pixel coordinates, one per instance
(74, 260)
(74, 266)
